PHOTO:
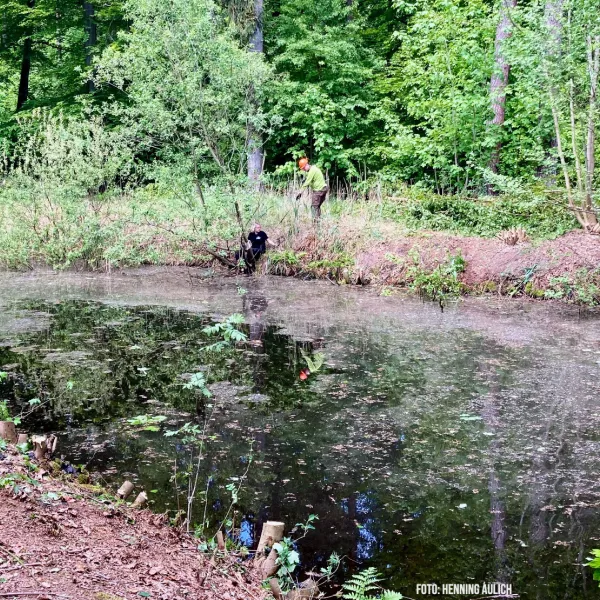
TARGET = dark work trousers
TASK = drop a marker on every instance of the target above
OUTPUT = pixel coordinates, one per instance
(317, 200)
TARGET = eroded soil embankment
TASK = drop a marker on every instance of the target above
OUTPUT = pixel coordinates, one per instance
(490, 260)
(60, 540)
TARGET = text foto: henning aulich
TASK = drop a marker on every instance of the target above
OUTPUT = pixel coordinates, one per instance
(465, 589)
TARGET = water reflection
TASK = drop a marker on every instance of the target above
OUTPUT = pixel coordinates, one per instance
(434, 455)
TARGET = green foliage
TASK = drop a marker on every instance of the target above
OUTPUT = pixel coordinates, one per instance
(17, 482)
(189, 433)
(324, 91)
(287, 559)
(581, 287)
(188, 84)
(378, 92)
(4, 412)
(228, 330)
(285, 262)
(440, 283)
(436, 93)
(541, 217)
(594, 563)
(198, 382)
(314, 363)
(147, 422)
(55, 201)
(364, 586)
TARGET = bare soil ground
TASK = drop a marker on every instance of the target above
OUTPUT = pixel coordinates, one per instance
(489, 260)
(60, 541)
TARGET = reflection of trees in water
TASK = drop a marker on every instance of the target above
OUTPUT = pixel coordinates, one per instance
(254, 306)
(379, 438)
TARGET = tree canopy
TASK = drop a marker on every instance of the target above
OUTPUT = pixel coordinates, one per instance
(453, 95)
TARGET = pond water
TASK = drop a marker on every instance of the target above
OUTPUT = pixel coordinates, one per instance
(454, 447)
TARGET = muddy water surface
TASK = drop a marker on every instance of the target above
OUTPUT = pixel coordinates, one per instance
(454, 447)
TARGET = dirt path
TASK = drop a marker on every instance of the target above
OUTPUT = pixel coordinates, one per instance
(60, 541)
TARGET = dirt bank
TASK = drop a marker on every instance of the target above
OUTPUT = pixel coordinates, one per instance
(491, 259)
(60, 540)
(567, 267)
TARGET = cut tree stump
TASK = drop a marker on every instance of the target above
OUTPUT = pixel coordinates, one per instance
(40, 445)
(23, 438)
(125, 490)
(275, 589)
(268, 566)
(272, 532)
(140, 501)
(8, 431)
(43, 445)
(220, 541)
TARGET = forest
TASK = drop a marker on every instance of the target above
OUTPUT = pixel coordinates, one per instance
(126, 121)
(365, 436)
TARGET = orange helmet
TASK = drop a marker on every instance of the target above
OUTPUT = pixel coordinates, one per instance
(302, 162)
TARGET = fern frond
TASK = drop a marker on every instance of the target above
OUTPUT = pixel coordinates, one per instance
(388, 595)
(361, 584)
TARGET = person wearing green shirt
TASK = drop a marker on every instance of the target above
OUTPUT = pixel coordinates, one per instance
(316, 183)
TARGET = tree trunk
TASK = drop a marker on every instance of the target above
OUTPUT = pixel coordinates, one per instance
(499, 79)
(23, 94)
(553, 13)
(90, 38)
(593, 45)
(255, 148)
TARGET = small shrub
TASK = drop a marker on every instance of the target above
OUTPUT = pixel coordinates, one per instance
(440, 283)
(4, 412)
(581, 287)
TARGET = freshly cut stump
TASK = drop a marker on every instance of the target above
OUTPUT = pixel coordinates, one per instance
(8, 431)
(272, 532)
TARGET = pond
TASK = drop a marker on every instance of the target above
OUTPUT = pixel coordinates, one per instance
(439, 447)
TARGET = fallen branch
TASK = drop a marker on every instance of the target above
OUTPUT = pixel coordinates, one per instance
(222, 259)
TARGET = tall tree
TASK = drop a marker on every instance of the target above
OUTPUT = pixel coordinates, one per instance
(255, 146)
(186, 77)
(23, 94)
(90, 38)
(499, 80)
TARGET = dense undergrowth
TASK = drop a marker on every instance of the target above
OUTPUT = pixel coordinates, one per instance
(56, 209)
(45, 221)
(48, 223)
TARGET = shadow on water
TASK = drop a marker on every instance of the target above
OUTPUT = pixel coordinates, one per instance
(434, 456)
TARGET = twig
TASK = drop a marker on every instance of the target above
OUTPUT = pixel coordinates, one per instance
(11, 555)
(36, 564)
(40, 593)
